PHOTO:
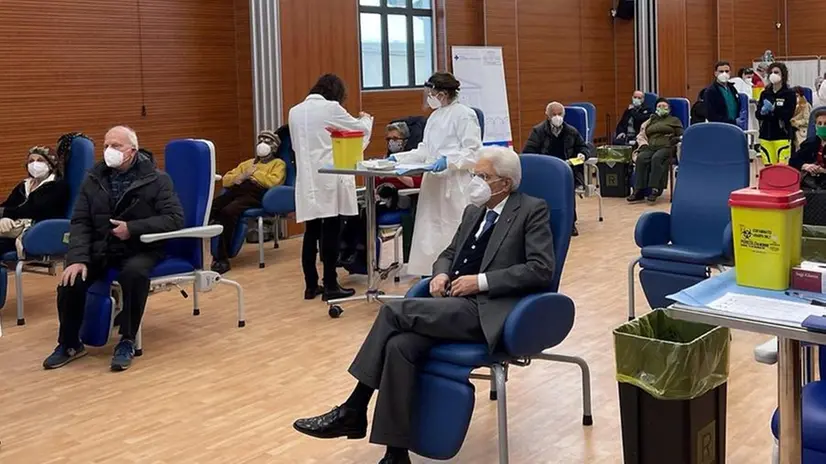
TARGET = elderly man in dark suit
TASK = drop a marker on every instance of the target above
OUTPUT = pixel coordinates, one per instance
(501, 252)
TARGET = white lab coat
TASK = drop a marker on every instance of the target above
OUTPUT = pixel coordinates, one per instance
(452, 131)
(322, 195)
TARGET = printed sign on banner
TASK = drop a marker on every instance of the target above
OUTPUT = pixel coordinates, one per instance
(482, 74)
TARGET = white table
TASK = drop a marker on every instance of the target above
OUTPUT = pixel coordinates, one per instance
(789, 373)
(374, 271)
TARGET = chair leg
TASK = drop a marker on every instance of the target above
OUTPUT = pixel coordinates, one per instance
(276, 232)
(502, 411)
(396, 244)
(139, 341)
(18, 286)
(631, 302)
(196, 307)
(493, 390)
(587, 417)
(261, 242)
(240, 292)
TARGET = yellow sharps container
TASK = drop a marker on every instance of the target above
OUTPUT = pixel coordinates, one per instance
(348, 150)
(767, 224)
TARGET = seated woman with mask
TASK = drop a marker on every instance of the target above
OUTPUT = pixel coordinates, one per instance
(656, 142)
(42, 195)
(245, 188)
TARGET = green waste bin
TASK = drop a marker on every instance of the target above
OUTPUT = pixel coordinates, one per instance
(614, 163)
(672, 387)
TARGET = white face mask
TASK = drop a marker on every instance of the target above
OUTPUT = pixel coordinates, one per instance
(557, 121)
(478, 192)
(775, 78)
(262, 150)
(38, 169)
(749, 81)
(722, 77)
(433, 102)
(395, 146)
(113, 157)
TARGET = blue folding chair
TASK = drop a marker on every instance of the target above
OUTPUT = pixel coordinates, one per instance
(191, 166)
(681, 108)
(45, 243)
(445, 394)
(591, 112)
(278, 202)
(678, 248)
(480, 115)
(808, 94)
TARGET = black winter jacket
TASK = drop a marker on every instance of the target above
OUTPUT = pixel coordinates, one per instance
(716, 109)
(539, 141)
(777, 125)
(148, 206)
(49, 201)
(807, 153)
(638, 114)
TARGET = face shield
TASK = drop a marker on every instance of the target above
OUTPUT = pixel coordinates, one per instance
(430, 97)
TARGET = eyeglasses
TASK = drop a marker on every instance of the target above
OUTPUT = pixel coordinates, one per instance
(485, 177)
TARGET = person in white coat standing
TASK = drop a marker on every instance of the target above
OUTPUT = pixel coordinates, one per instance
(452, 137)
(320, 199)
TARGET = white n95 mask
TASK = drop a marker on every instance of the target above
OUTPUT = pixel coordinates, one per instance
(262, 150)
(478, 192)
(722, 78)
(433, 102)
(113, 157)
(38, 169)
(557, 121)
(775, 78)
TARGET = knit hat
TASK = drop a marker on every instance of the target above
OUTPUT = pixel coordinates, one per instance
(270, 137)
(48, 154)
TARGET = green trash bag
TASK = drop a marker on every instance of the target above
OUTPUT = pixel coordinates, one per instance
(612, 154)
(671, 359)
(813, 247)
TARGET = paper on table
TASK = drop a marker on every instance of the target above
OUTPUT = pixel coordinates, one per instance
(402, 169)
(765, 308)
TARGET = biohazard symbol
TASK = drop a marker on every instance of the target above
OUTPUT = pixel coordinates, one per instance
(746, 234)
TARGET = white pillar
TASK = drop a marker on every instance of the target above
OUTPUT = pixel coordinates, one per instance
(266, 64)
(646, 53)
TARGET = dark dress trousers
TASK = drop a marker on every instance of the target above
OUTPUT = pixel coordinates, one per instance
(516, 255)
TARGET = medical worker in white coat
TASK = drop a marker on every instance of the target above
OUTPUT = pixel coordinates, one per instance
(452, 137)
(320, 199)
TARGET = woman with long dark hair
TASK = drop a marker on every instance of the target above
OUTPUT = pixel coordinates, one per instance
(775, 110)
(321, 199)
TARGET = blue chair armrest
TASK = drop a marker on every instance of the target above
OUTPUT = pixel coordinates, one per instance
(653, 228)
(728, 243)
(46, 238)
(538, 322)
(279, 200)
(420, 290)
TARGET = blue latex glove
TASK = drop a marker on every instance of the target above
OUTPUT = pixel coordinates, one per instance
(440, 164)
(392, 158)
(767, 108)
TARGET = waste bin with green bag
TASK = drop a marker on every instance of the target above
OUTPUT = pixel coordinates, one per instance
(672, 387)
(813, 246)
(614, 163)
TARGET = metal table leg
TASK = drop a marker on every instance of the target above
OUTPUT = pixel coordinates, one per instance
(789, 400)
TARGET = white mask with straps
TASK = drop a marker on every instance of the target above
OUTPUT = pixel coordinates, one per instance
(433, 102)
(113, 157)
(38, 169)
(478, 192)
(262, 150)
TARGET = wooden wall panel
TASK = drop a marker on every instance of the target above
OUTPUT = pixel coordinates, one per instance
(701, 45)
(243, 58)
(82, 72)
(747, 29)
(598, 62)
(807, 35)
(672, 42)
(624, 66)
(319, 37)
(465, 21)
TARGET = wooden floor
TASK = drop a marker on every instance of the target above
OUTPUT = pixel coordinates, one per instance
(208, 392)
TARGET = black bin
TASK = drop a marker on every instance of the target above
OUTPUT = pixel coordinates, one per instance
(614, 170)
(672, 389)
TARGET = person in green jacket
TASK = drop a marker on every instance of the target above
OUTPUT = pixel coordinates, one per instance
(656, 144)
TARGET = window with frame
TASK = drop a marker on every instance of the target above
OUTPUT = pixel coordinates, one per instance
(396, 43)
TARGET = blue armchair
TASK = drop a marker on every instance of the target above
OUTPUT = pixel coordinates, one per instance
(191, 165)
(480, 115)
(591, 112)
(681, 108)
(277, 203)
(678, 248)
(650, 99)
(578, 117)
(539, 322)
(45, 243)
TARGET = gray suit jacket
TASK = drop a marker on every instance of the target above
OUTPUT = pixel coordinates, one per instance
(518, 261)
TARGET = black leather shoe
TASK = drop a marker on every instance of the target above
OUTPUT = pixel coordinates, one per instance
(336, 293)
(395, 460)
(575, 232)
(311, 293)
(342, 421)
